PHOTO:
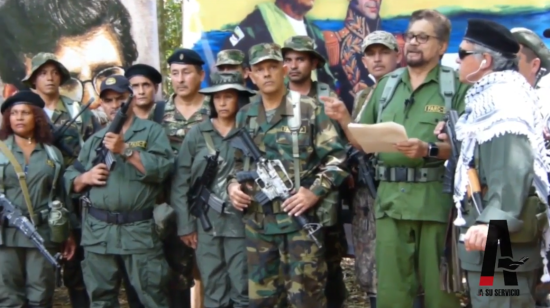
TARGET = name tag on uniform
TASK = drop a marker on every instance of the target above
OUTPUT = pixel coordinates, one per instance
(434, 109)
(137, 144)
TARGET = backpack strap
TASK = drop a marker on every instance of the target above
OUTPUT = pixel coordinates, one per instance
(209, 143)
(294, 124)
(158, 114)
(447, 86)
(6, 150)
(52, 154)
(389, 90)
(360, 103)
(322, 89)
(252, 130)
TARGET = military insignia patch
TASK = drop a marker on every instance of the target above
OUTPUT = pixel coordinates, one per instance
(110, 81)
(181, 56)
(434, 109)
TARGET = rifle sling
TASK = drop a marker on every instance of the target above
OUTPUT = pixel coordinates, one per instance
(22, 178)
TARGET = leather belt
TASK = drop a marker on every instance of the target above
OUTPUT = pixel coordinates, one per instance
(120, 218)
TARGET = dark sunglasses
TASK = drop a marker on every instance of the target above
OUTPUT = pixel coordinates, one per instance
(464, 53)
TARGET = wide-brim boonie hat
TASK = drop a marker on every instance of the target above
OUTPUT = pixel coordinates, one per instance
(223, 87)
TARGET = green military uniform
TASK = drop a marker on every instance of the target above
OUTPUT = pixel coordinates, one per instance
(70, 144)
(221, 252)
(507, 146)
(179, 256)
(531, 40)
(118, 227)
(411, 210)
(335, 239)
(282, 261)
(27, 277)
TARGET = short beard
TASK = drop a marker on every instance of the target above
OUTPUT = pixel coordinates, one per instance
(416, 63)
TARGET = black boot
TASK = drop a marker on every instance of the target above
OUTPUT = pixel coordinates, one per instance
(180, 298)
(372, 300)
(419, 302)
(79, 298)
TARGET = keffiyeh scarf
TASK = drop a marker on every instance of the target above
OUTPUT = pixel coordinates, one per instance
(502, 103)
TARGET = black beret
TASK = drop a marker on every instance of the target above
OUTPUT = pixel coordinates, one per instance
(144, 70)
(492, 35)
(185, 56)
(23, 98)
(117, 83)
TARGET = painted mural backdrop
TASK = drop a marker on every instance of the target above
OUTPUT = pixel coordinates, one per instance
(339, 26)
(92, 38)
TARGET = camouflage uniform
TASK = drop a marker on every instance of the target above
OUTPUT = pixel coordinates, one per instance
(276, 246)
(179, 256)
(70, 144)
(335, 239)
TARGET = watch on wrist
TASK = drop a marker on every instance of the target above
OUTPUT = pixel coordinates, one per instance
(128, 151)
(433, 150)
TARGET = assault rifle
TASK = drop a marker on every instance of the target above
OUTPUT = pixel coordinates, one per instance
(104, 156)
(266, 176)
(15, 218)
(450, 124)
(450, 270)
(364, 170)
(200, 197)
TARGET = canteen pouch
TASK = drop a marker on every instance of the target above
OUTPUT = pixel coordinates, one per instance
(327, 210)
(58, 221)
(534, 220)
(164, 216)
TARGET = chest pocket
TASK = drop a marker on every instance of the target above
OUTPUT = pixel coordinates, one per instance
(285, 135)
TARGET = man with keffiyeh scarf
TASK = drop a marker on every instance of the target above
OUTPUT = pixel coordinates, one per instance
(500, 132)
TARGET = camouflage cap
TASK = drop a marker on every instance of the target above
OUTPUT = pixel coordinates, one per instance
(230, 57)
(380, 37)
(264, 51)
(41, 59)
(303, 43)
(532, 41)
(221, 81)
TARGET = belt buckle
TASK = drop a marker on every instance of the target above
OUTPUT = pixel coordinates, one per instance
(113, 218)
(401, 174)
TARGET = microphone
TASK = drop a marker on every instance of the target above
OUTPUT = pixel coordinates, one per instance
(409, 101)
(546, 33)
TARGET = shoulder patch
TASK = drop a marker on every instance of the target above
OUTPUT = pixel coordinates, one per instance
(237, 36)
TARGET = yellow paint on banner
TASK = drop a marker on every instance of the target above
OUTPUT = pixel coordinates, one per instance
(216, 14)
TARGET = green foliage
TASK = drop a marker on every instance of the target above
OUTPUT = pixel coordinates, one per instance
(170, 34)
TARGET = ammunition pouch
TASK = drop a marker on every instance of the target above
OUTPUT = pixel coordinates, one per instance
(164, 215)
(411, 175)
(534, 220)
(327, 209)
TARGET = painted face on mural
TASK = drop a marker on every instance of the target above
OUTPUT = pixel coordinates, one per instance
(90, 58)
(298, 6)
(369, 8)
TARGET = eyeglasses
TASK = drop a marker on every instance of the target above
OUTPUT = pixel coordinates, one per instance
(74, 88)
(421, 38)
(464, 53)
